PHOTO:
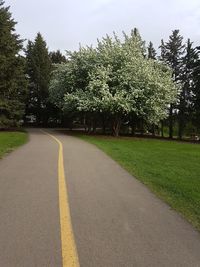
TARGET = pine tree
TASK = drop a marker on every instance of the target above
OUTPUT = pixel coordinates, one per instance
(12, 76)
(57, 57)
(163, 51)
(151, 55)
(151, 51)
(162, 58)
(196, 91)
(38, 70)
(186, 94)
(172, 53)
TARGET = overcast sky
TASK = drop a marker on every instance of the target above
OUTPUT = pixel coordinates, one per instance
(64, 23)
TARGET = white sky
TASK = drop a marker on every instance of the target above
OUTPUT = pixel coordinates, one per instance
(64, 23)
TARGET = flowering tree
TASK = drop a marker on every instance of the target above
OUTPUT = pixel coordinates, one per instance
(114, 80)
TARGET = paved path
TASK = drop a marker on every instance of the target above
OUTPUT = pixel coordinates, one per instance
(116, 220)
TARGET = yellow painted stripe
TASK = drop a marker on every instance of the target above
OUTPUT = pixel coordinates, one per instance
(69, 251)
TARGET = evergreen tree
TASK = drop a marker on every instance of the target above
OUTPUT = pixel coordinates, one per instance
(196, 92)
(172, 52)
(163, 51)
(12, 76)
(57, 57)
(151, 51)
(162, 58)
(186, 94)
(38, 70)
(151, 55)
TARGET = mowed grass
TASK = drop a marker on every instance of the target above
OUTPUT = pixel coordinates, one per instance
(11, 140)
(170, 169)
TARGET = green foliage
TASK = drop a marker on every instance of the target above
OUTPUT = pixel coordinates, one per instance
(12, 76)
(151, 51)
(170, 169)
(38, 71)
(115, 79)
(171, 53)
(57, 57)
(174, 49)
(196, 90)
(186, 98)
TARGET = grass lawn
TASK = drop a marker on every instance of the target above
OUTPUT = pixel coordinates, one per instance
(170, 169)
(11, 140)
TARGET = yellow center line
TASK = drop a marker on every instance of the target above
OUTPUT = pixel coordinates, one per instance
(68, 245)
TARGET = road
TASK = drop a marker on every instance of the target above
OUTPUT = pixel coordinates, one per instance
(114, 219)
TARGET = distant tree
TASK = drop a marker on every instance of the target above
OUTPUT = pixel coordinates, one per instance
(57, 57)
(196, 92)
(38, 70)
(12, 76)
(151, 51)
(163, 51)
(162, 58)
(187, 93)
(172, 52)
(151, 55)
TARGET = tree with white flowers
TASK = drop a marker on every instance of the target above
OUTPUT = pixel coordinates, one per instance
(114, 80)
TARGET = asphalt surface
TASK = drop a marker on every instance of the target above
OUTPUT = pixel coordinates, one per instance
(116, 220)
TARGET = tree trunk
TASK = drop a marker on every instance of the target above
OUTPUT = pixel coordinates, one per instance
(181, 115)
(38, 117)
(162, 128)
(153, 130)
(142, 127)
(84, 123)
(180, 125)
(94, 125)
(133, 129)
(103, 125)
(171, 122)
(116, 126)
(89, 125)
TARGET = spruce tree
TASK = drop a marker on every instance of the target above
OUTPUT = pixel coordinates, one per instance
(12, 76)
(162, 58)
(196, 91)
(38, 70)
(151, 55)
(187, 84)
(57, 57)
(172, 53)
(151, 51)
(163, 51)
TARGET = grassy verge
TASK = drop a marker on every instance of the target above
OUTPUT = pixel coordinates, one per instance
(11, 140)
(170, 169)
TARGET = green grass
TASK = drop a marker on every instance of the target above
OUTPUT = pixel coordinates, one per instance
(11, 140)
(170, 169)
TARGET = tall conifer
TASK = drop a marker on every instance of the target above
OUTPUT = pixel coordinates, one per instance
(57, 57)
(187, 84)
(151, 51)
(12, 76)
(172, 53)
(38, 70)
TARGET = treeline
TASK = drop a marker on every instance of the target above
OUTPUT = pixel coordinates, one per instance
(124, 85)
(24, 76)
(121, 85)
